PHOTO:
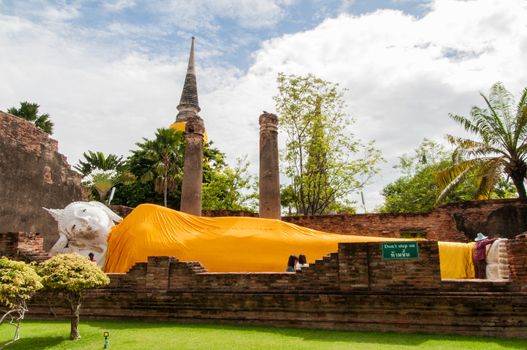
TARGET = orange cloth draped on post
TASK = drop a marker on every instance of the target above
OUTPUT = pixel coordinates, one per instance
(222, 244)
(456, 260)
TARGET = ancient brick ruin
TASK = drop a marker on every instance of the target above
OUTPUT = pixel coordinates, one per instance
(269, 175)
(21, 246)
(456, 222)
(352, 289)
(33, 174)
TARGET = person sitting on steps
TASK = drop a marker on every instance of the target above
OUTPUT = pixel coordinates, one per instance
(302, 262)
(291, 263)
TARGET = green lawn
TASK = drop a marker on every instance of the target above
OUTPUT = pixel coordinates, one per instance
(128, 335)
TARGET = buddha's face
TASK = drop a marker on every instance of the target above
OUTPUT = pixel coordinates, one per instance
(85, 226)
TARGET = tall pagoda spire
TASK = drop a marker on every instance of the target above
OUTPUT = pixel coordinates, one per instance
(188, 104)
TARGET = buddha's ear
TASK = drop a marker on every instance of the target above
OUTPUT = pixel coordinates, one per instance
(56, 213)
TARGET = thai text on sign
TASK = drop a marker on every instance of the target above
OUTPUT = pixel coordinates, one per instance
(400, 250)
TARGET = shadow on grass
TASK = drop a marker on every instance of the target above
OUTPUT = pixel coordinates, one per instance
(329, 336)
(29, 342)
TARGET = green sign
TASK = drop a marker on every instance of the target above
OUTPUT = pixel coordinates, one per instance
(400, 250)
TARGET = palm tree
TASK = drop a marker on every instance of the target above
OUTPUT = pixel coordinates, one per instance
(164, 153)
(502, 148)
(103, 182)
(29, 111)
(102, 171)
(97, 160)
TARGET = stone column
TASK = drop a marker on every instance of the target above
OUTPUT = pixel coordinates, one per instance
(193, 166)
(269, 171)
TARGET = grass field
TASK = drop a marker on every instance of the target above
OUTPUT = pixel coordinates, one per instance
(128, 335)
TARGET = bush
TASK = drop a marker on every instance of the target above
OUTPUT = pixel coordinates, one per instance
(72, 274)
(18, 283)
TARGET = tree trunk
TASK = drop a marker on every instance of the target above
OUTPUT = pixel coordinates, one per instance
(75, 307)
(520, 187)
(517, 169)
(15, 316)
(165, 190)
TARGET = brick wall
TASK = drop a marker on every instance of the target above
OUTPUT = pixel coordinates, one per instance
(217, 213)
(8, 244)
(458, 222)
(337, 271)
(437, 225)
(517, 253)
(32, 175)
(352, 289)
(23, 246)
(362, 266)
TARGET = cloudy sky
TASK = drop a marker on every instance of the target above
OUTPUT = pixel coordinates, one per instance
(110, 72)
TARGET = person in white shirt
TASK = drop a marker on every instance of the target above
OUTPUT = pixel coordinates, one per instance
(302, 262)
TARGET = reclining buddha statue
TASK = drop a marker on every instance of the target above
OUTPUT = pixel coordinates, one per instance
(220, 244)
(83, 229)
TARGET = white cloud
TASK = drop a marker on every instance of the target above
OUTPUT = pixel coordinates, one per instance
(52, 12)
(65, 13)
(96, 101)
(404, 76)
(203, 13)
(118, 5)
(345, 5)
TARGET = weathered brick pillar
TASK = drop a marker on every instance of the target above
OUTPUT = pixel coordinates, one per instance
(158, 272)
(9, 244)
(353, 259)
(517, 251)
(269, 170)
(193, 166)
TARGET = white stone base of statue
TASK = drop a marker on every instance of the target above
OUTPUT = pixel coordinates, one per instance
(497, 261)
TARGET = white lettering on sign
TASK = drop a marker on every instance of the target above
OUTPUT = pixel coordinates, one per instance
(400, 250)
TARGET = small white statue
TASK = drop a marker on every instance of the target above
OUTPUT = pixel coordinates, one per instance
(83, 229)
(497, 260)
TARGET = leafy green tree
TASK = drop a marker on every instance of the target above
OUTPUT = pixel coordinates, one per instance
(411, 194)
(321, 157)
(72, 274)
(133, 193)
(101, 172)
(29, 111)
(143, 189)
(417, 190)
(230, 188)
(18, 283)
(164, 154)
(287, 199)
(223, 187)
(501, 147)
